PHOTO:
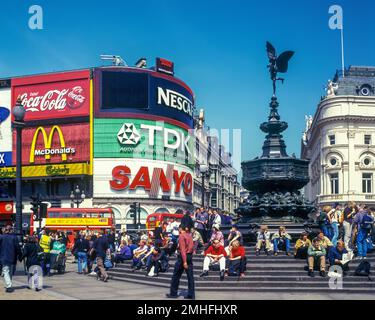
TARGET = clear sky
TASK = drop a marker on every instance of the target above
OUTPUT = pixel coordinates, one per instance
(218, 48)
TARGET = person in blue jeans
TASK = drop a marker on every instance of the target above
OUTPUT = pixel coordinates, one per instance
(81, 248)
(281, 240)
(363, 219)
(334, 217)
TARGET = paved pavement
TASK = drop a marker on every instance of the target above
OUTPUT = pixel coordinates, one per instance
(72, 286)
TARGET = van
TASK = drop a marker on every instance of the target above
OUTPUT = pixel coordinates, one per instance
(154, 220)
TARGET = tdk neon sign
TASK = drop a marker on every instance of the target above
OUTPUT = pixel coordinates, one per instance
(175, 100)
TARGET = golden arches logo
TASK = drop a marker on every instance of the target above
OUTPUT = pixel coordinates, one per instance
(47, 142)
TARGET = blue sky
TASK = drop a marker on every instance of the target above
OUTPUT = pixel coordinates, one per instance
(218, 48)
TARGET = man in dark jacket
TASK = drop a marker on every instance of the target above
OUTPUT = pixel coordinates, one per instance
(187, 221)
(10, 251)
(30, 253)
(101, 246)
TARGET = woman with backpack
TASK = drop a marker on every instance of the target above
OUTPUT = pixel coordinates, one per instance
(33, 254)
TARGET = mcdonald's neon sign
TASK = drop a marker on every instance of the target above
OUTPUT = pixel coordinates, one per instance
(47, 140)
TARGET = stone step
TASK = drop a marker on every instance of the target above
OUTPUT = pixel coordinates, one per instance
(213, 276)
(264, 288)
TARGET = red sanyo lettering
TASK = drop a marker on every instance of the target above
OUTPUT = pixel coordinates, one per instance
(142, 179)
(120, 180)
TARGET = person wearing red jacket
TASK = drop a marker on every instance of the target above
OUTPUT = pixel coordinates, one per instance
(184, 262)
(215, 254)
(237, 259)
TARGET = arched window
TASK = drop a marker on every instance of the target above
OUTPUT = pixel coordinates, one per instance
(162, 210)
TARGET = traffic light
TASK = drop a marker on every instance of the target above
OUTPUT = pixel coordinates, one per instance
(133, 212)
(34, 207)
(43, 210)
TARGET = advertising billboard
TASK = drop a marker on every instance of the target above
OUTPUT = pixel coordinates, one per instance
(143, 139)
(53, 170)
(55, 144)
(140, 93)
(5, 128)
(57, 95)
(135, 178)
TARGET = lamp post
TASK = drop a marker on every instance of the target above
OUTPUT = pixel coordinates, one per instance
(204, 171)
(77, 196)
(18, 123)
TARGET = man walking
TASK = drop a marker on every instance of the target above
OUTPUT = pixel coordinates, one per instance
(184, 262)
(9, 252)
(101, 246)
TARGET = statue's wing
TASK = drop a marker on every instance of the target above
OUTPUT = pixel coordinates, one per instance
(271, 51)
(282, 61)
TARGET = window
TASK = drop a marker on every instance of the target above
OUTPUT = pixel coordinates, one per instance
(334, 178)
(367, 161)
(333, 161)
(124, 90)
(367, 139)
(332, 139)
(366, 182)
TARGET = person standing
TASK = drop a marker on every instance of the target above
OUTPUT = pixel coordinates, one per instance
(10, 250)
(46, 243)
(30, 253)
(364, 222)
(184, 262)
(201, 220)
(101, 246)
(349, 212)
(334, 217)
(81, 249)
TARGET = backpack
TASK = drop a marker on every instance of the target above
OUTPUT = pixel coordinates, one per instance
(366, 223)
(363, 269)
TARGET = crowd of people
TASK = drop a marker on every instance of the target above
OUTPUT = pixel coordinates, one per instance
(344, 232)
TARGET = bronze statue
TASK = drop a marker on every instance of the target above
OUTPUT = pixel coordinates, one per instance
(277, 63)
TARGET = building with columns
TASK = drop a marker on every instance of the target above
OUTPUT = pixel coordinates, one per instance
(220, 182)
(339, 140)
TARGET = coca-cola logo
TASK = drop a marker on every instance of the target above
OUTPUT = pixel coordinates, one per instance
(53, 99)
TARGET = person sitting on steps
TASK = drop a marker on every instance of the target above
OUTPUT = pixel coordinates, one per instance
(237, 260)
(281, 240)
(316, 258)
(215, 254)
(324, 241)
(301, 247)
(263, 240)
(336, 254)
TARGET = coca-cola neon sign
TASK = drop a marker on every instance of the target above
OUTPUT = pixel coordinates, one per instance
(55, 99)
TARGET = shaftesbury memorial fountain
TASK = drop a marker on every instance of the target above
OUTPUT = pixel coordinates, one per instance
(274, 179)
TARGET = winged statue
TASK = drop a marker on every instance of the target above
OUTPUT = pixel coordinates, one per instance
(277, 63)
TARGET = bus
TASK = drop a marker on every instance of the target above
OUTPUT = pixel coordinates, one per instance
(71, 220)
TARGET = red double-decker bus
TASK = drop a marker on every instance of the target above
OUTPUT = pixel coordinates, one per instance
(75, 219)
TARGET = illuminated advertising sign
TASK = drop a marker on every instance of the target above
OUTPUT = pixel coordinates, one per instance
(57, 95)
(143, 139)
(129, 93)
(5, 128)
(55, 170)
(130, 178)
(65, 143)
(165, 66)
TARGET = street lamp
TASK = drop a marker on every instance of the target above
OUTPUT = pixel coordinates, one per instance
(204, 172)
(18, 123)
(77, 196)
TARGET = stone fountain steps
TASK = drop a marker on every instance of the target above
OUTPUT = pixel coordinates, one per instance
(264, 274)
